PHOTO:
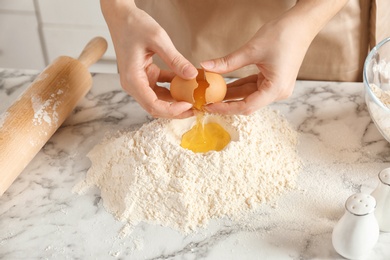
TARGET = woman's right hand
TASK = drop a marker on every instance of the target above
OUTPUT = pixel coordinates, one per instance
(137, 37)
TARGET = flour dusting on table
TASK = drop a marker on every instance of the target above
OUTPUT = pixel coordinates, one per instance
(146, 176)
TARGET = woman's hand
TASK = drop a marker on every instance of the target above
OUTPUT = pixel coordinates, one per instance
(278, 53)
(277, 49)
(137, 37)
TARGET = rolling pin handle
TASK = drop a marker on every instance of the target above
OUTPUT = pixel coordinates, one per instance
(93, 51)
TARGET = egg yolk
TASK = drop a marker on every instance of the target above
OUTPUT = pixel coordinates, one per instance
(204, 137)
(200, 91)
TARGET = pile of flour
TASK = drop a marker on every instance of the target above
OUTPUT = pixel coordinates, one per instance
(146, 176)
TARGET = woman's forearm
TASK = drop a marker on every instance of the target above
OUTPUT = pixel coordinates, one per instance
(310, 16)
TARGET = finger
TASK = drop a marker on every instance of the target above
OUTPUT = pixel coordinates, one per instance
(241, 81)
(261, 98)
(149, 100)
(227, 108)
(240, 92)
(231, 62)
(175, 61)
(163, 94)
(185, 114)
(243, 87)
(166, 76)
(162, 109)
(155, 74)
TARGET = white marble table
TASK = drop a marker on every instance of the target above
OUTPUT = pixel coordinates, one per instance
(40, 217)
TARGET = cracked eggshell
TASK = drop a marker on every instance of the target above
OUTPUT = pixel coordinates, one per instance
(216, 92)
(183, 90)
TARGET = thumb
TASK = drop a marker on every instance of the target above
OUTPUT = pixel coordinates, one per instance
(176, 61)
(231, 62)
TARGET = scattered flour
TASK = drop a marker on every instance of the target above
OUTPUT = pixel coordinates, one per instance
(3, 117)
(146, 176)
(46, 111)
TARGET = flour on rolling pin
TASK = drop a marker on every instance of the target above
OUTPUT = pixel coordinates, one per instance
(3, 117)
(46, 111)
(37, 114)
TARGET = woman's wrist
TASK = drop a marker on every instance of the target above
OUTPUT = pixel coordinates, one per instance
(117, 8)
(313, 15)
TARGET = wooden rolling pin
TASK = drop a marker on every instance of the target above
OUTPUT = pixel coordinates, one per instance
(32, 119)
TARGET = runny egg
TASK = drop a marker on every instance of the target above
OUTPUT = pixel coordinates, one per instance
(206, 88)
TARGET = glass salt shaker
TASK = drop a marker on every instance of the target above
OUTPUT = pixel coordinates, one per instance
(357, 232)
(382, 197)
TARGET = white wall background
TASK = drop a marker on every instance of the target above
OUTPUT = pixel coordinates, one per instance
(35, 32)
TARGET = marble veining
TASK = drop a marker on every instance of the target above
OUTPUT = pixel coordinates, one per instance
(40, 217)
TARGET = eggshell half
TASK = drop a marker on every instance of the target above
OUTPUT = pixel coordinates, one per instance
(183, 90)
(216, 92)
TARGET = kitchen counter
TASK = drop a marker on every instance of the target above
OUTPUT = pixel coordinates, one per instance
(342, 151)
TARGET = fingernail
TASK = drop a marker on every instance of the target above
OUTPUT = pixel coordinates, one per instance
(210, 64)
(189, 71)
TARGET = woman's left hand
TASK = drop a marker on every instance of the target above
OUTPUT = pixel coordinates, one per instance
(277, 49)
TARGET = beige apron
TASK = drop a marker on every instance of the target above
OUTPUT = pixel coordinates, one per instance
(206, 29)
